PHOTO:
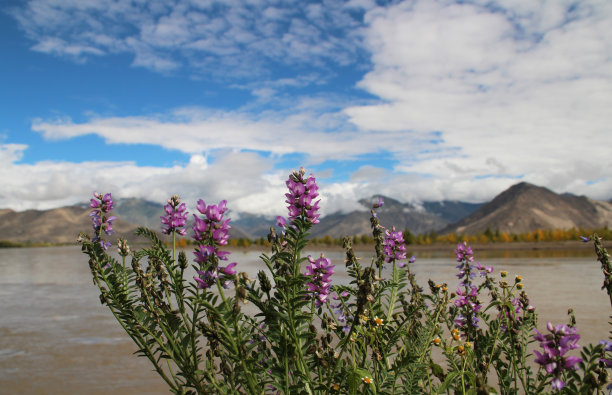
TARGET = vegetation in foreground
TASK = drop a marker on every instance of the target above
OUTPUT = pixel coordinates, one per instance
(304, 333)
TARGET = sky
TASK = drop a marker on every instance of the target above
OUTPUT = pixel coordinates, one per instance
(417, 100)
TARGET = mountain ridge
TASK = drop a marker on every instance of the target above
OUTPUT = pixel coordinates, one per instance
(526, 207)
(520, 208)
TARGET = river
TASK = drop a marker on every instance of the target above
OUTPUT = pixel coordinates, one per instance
(56, 337)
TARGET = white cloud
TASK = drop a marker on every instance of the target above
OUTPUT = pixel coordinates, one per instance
(211, 37)
(304, 130)
(518, 90)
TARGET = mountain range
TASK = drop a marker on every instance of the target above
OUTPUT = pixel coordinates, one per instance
(521, 208)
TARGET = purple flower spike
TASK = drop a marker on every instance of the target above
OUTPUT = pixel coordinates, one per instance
(302, 193)
(101, 221)
(394, 246)
(212, 231)
(320, 272)
(585, 239)
(175, 218)
(555, 345)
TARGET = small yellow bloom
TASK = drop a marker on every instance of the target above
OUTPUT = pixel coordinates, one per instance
(443, 289)
(367, 380)
(518, 279)
(519, 285)
(336, 387)
(437, 341)
(378, 321)
(504, 273)
(364, 318)
(468, 344)
(460, 350)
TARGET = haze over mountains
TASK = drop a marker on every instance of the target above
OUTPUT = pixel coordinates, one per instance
(521, 208)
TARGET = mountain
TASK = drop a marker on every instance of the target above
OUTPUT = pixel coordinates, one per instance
(393, 213)
(60, 225)
(525, 207)
(451, 210)
(521, 208)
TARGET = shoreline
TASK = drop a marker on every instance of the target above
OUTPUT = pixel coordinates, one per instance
(518, 245)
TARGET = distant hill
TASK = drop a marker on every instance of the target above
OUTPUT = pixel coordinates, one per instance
(393, 213)
(451, 210)
(60, 225)
(521, 208)
(526, 207)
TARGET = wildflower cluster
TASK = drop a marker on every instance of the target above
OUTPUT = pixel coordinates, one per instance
(555, 345)
(302, 193)
(102, 221)
(305, 332)
(175, 218)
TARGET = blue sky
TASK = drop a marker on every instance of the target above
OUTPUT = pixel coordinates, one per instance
(419, 100)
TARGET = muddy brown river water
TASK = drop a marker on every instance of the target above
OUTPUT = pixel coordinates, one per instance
(56, 338)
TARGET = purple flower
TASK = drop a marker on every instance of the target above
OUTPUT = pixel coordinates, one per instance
(394, 247)
(281, 222)
(464, 253)
(175, 218)
(484, 270)
(206, 278)
(320, 272)
(300, 198)
(101, 221)
(585, 239)
(555, 345)
(211, 229)
(229, 269)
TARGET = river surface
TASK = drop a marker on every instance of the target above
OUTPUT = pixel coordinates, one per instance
(56, 337)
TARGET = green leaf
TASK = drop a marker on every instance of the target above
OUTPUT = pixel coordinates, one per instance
(448, 381)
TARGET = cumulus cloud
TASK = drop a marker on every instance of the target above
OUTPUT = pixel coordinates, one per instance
(518, 90)
(246, 180)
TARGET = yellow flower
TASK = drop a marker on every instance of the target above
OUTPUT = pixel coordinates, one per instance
(336, 387)
(437, 341)
(378, 321)
(518, 279)
(367, 380)
(504, 273)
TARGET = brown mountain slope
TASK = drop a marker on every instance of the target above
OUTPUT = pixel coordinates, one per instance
(525, 207)
(61, 225)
